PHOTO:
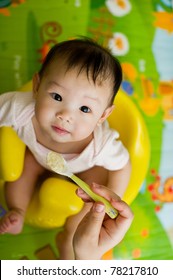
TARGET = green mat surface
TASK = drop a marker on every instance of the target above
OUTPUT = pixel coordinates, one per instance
(140, 33)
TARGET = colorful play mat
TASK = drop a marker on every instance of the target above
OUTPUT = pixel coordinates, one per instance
(140, 34)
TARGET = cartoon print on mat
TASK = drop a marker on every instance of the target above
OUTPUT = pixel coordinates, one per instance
(150, 103)
(103, 27)
(161, 191)
(118, 7)
(162, 188)
(164, 20)
(44, 253)
(129, 76)
(5, 3)
(166, 92)
(118, 44)
(165, 195)
(48, 34)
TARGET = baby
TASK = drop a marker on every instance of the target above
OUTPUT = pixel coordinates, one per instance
(66, 112)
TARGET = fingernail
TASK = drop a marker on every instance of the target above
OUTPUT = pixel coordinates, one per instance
(80, 191)
(98, 207)
(95, 185)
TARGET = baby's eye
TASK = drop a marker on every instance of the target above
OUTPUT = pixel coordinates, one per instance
(56, 96)
(85, 109)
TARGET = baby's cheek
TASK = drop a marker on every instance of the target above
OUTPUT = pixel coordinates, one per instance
(87, 129)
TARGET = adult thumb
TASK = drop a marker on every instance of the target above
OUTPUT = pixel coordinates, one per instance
(94, 219)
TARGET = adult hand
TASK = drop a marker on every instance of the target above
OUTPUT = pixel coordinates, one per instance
(97, 233)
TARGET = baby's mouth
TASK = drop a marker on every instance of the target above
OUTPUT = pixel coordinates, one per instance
(60, 130)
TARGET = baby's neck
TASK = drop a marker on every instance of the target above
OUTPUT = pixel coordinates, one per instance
(72, 147)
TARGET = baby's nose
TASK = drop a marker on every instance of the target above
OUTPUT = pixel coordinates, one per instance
(64, 116)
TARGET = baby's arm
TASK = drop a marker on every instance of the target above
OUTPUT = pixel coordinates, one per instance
(119, 179)
(18, 195)
(19, 192)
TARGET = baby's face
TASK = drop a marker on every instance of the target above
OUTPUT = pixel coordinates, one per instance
(68, 105)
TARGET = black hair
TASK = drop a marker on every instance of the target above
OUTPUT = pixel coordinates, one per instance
(88, 56)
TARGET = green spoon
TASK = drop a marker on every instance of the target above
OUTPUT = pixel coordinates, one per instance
(58, 164)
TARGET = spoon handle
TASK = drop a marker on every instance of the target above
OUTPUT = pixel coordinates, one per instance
(108, 207)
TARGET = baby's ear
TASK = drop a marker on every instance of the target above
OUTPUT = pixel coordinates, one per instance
(106, 114)
(35, 84)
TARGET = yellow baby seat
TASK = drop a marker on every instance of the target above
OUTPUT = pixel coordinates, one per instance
(55, 200)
